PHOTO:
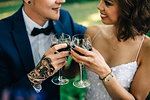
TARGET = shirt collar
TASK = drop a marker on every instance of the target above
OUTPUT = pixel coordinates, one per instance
(30, 24)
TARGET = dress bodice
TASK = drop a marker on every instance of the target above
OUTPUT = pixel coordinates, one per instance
(124, 73)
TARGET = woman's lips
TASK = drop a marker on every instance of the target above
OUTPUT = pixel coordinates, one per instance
(103, 16)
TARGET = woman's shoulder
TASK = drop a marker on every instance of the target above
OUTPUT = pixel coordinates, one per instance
(98, 29)
(146, 50)
(146, 44)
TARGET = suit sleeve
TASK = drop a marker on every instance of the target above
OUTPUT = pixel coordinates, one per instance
(8, 76)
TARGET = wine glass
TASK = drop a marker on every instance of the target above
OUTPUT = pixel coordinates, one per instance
(59, 39)
(84, 42)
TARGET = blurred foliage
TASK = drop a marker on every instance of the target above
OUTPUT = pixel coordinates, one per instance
(9, 7)
(7, 0)
(71, 1)
(148, 34)
(84, 13)
(69, 92)
(148, 98)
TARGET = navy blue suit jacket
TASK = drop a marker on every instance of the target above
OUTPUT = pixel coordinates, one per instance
(16, 59)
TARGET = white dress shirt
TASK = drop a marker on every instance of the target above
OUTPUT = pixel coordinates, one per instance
(39, 43)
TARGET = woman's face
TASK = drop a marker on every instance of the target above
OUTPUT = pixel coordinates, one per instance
(44, 9)
(109, 11)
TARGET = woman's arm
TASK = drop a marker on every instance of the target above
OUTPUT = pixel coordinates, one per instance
(140, 86)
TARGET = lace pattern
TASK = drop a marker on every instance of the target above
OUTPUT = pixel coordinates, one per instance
(124, 73)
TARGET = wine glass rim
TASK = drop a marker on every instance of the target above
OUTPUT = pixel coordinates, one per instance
(68, 36)
(84, 35)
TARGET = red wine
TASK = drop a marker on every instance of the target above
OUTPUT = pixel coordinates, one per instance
(64, 49)
(78, 52)
(53, 45)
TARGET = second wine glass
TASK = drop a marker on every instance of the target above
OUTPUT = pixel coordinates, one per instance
(84, 42)
(59, 39)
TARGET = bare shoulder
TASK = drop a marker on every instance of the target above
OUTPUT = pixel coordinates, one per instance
(92, 30)
(146, 46)
(145, 51)
(97, 29)
(145, 55)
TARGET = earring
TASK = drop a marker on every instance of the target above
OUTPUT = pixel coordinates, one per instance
(29, 2)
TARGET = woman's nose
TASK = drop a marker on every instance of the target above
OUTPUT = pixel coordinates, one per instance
(100, 6)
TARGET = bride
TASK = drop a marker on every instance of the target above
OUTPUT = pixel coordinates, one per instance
(119, 63)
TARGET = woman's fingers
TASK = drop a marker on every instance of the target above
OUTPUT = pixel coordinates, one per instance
(80, 59)
(76, 59)
(85, 52)
(76, 55)
(90, 58)
(82, 51)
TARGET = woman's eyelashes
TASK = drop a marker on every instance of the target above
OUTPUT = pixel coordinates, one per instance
(107, 3)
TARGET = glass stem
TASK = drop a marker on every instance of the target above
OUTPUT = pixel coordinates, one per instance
(81, 72)
(60, 77)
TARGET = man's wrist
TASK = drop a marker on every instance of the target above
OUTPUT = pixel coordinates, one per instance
(38, 89)
(34, 81)
(42, 71)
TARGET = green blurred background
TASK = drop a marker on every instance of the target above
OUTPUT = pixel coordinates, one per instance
(83, 12)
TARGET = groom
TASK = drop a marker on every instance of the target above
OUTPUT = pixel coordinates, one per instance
(24, 53)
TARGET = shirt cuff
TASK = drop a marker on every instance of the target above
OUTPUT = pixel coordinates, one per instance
(38, 89)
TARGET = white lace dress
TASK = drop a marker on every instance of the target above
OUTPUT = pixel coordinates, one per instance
(124, 73)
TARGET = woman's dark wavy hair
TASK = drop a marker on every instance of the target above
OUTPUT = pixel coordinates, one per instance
(134, 18)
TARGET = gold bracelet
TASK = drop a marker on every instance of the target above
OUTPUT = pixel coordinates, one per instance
(107, 77)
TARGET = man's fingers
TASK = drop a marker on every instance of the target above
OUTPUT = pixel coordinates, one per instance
(58, 47)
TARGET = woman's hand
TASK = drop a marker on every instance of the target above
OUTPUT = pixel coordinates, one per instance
(92, 60)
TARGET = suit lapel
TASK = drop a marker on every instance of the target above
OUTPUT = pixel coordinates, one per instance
(22, 41)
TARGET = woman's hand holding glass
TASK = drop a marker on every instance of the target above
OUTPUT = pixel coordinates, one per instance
(92, 60)
(84, 42)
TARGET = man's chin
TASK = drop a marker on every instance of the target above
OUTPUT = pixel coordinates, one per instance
(54, 18)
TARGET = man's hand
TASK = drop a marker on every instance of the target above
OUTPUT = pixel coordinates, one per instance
(50, 63)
